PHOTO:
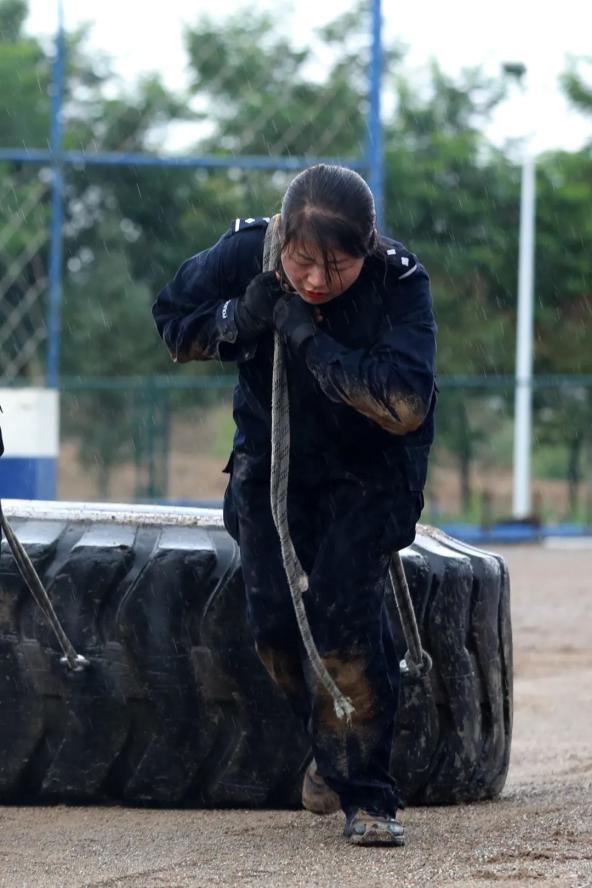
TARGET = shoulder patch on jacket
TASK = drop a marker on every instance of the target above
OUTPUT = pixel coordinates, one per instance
(251, 222)
(402, 261)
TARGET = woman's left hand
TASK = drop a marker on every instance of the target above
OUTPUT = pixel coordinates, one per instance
(294, 320)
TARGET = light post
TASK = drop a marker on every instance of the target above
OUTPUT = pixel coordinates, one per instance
(521, 499)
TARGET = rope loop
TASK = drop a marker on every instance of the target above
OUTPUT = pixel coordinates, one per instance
(416, 670)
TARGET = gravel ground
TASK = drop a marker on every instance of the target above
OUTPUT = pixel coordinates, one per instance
(538, 833)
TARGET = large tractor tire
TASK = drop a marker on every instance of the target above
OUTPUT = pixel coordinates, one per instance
(175, 708)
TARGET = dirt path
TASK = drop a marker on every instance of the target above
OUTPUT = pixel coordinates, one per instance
(538, 834)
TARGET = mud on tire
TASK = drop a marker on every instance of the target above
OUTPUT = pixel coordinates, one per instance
(175, 708)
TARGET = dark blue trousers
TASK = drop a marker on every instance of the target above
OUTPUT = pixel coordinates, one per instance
(344, 529)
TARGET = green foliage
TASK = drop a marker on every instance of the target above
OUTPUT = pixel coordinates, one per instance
(24, 102)
(105, 309)
(454, 199)
(12, 17)
(260, 98)
(575, 81)
(563, 264)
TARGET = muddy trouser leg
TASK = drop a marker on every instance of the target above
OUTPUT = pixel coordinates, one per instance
(270, 612)
(347, 611)
(356, 527)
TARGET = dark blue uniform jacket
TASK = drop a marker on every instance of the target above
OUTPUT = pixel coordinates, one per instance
(361, 391)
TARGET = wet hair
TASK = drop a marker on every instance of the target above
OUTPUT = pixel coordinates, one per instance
(331, 207)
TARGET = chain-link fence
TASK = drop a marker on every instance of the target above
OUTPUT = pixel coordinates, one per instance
(23, 272)
(145, 439)
(169, 439)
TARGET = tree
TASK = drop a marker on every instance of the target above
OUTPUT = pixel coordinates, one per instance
(259, 97)
(454, 199)
(563, 263)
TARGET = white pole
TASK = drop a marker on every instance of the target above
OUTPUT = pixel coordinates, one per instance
(524, 344)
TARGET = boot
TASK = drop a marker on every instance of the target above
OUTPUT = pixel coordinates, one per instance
(316, 795)
(364, 828)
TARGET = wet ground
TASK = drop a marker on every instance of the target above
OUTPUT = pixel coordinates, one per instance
(539, 833)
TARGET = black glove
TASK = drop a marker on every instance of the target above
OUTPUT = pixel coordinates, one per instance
(254, 310)
(294, 321)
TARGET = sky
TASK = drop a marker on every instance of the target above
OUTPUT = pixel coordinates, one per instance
(144, 37)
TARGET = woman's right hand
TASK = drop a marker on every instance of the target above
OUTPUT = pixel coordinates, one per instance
(254, 310)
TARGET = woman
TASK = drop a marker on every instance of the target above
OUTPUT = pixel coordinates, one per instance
(354, 310)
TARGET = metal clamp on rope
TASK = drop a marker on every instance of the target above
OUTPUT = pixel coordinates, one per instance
(76, 664)
(416, 670)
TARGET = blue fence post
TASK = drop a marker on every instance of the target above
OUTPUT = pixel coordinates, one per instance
(57, 210)
(375, 148)
(48, 489)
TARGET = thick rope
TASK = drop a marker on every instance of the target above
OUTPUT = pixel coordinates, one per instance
(75, 661)
(280, 463)
(417, 661)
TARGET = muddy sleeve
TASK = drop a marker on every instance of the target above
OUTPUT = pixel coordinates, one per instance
(392, 381)
(194, 313)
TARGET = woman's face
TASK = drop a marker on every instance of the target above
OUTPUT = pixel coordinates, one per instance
(305, 269)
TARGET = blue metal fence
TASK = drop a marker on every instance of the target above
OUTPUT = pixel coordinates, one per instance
(168, 438)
